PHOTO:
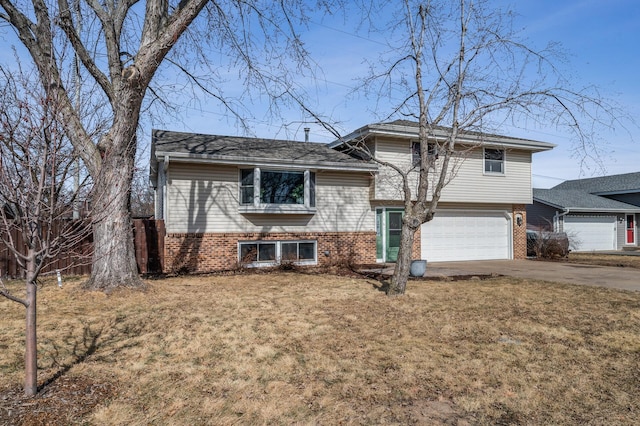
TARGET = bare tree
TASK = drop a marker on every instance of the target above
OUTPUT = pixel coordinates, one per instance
(36, 194)
(142, 197)
(460, 67)
(122, 46)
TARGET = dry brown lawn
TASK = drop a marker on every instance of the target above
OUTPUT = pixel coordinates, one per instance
(627, 261)
(295, 348)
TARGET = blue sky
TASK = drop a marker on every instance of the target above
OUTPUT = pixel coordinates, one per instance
(600, 38)
(601, 41)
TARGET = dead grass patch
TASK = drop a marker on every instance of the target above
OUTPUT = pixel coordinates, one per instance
(290, 348)
(628, 261)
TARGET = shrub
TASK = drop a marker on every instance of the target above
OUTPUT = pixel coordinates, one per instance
(547, 245)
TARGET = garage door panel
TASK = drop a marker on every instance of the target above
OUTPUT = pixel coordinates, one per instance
(591, 233)
(469, 235)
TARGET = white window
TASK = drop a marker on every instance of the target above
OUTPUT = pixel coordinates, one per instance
(277, 188)
(269, 253)
(494, 161)
(246, 186)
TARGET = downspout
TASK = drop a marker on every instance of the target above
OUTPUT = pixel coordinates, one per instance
(165, 168)
(556, 220)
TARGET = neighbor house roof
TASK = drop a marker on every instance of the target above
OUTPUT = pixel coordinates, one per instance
(578, 200)
(194, 147)
(409, 129)
(614, 184)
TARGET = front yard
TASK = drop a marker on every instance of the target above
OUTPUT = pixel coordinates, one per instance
(625, 261)
(288, 348)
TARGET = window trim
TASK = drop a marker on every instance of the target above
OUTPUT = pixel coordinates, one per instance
(278, 253)
(503, 162)
(257, 206)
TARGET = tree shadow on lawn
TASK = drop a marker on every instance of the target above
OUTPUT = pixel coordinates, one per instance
(62, 398)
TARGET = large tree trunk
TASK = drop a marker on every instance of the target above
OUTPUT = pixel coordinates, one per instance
(403, 263)
(31, 345)
(114, 262)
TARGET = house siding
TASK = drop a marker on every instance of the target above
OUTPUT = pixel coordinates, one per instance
(191, 252)
(204, 199)
(621, 230)
(469, 183)
(541, 216)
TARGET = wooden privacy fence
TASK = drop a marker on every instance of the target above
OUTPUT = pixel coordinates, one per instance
(148, 237)
(148, 241)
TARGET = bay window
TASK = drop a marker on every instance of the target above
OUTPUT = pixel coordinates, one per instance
(287, 191)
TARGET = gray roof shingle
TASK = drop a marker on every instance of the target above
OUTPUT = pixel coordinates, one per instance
(243, 150)
(407, 128)
(576, 199)
(622, 183)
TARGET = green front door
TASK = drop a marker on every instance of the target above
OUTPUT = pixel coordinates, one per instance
(394, 229)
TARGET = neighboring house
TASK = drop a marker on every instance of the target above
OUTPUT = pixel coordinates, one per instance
(230, 201)
(597, 214)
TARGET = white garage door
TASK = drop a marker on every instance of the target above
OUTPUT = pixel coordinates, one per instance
(472, 235)
(588, 233)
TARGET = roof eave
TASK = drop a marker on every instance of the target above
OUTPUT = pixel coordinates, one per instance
(260, 162)
(617, 192)
(588, 209)
(395, 130)
(596, 210)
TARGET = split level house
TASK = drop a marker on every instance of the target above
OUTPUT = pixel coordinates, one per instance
(598, 214)
(229, 201)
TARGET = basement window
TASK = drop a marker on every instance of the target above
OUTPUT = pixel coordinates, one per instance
(270, 253)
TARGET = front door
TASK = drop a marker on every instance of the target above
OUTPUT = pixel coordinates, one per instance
(631, 229)
(394, 230)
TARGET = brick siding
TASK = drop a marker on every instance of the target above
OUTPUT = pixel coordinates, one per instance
(416, 250)
(519, 232)
(219, 251)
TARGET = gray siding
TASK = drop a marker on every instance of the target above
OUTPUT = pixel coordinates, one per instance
(621, 231)
(540, 216)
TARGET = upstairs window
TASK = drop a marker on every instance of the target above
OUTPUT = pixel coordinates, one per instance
(277, 188)
(494, 161)
(432, 153)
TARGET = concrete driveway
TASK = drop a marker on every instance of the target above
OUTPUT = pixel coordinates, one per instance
(603, 276)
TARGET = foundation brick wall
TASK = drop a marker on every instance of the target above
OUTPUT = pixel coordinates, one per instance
(416, 249)
(219, 251)
(519, 232)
